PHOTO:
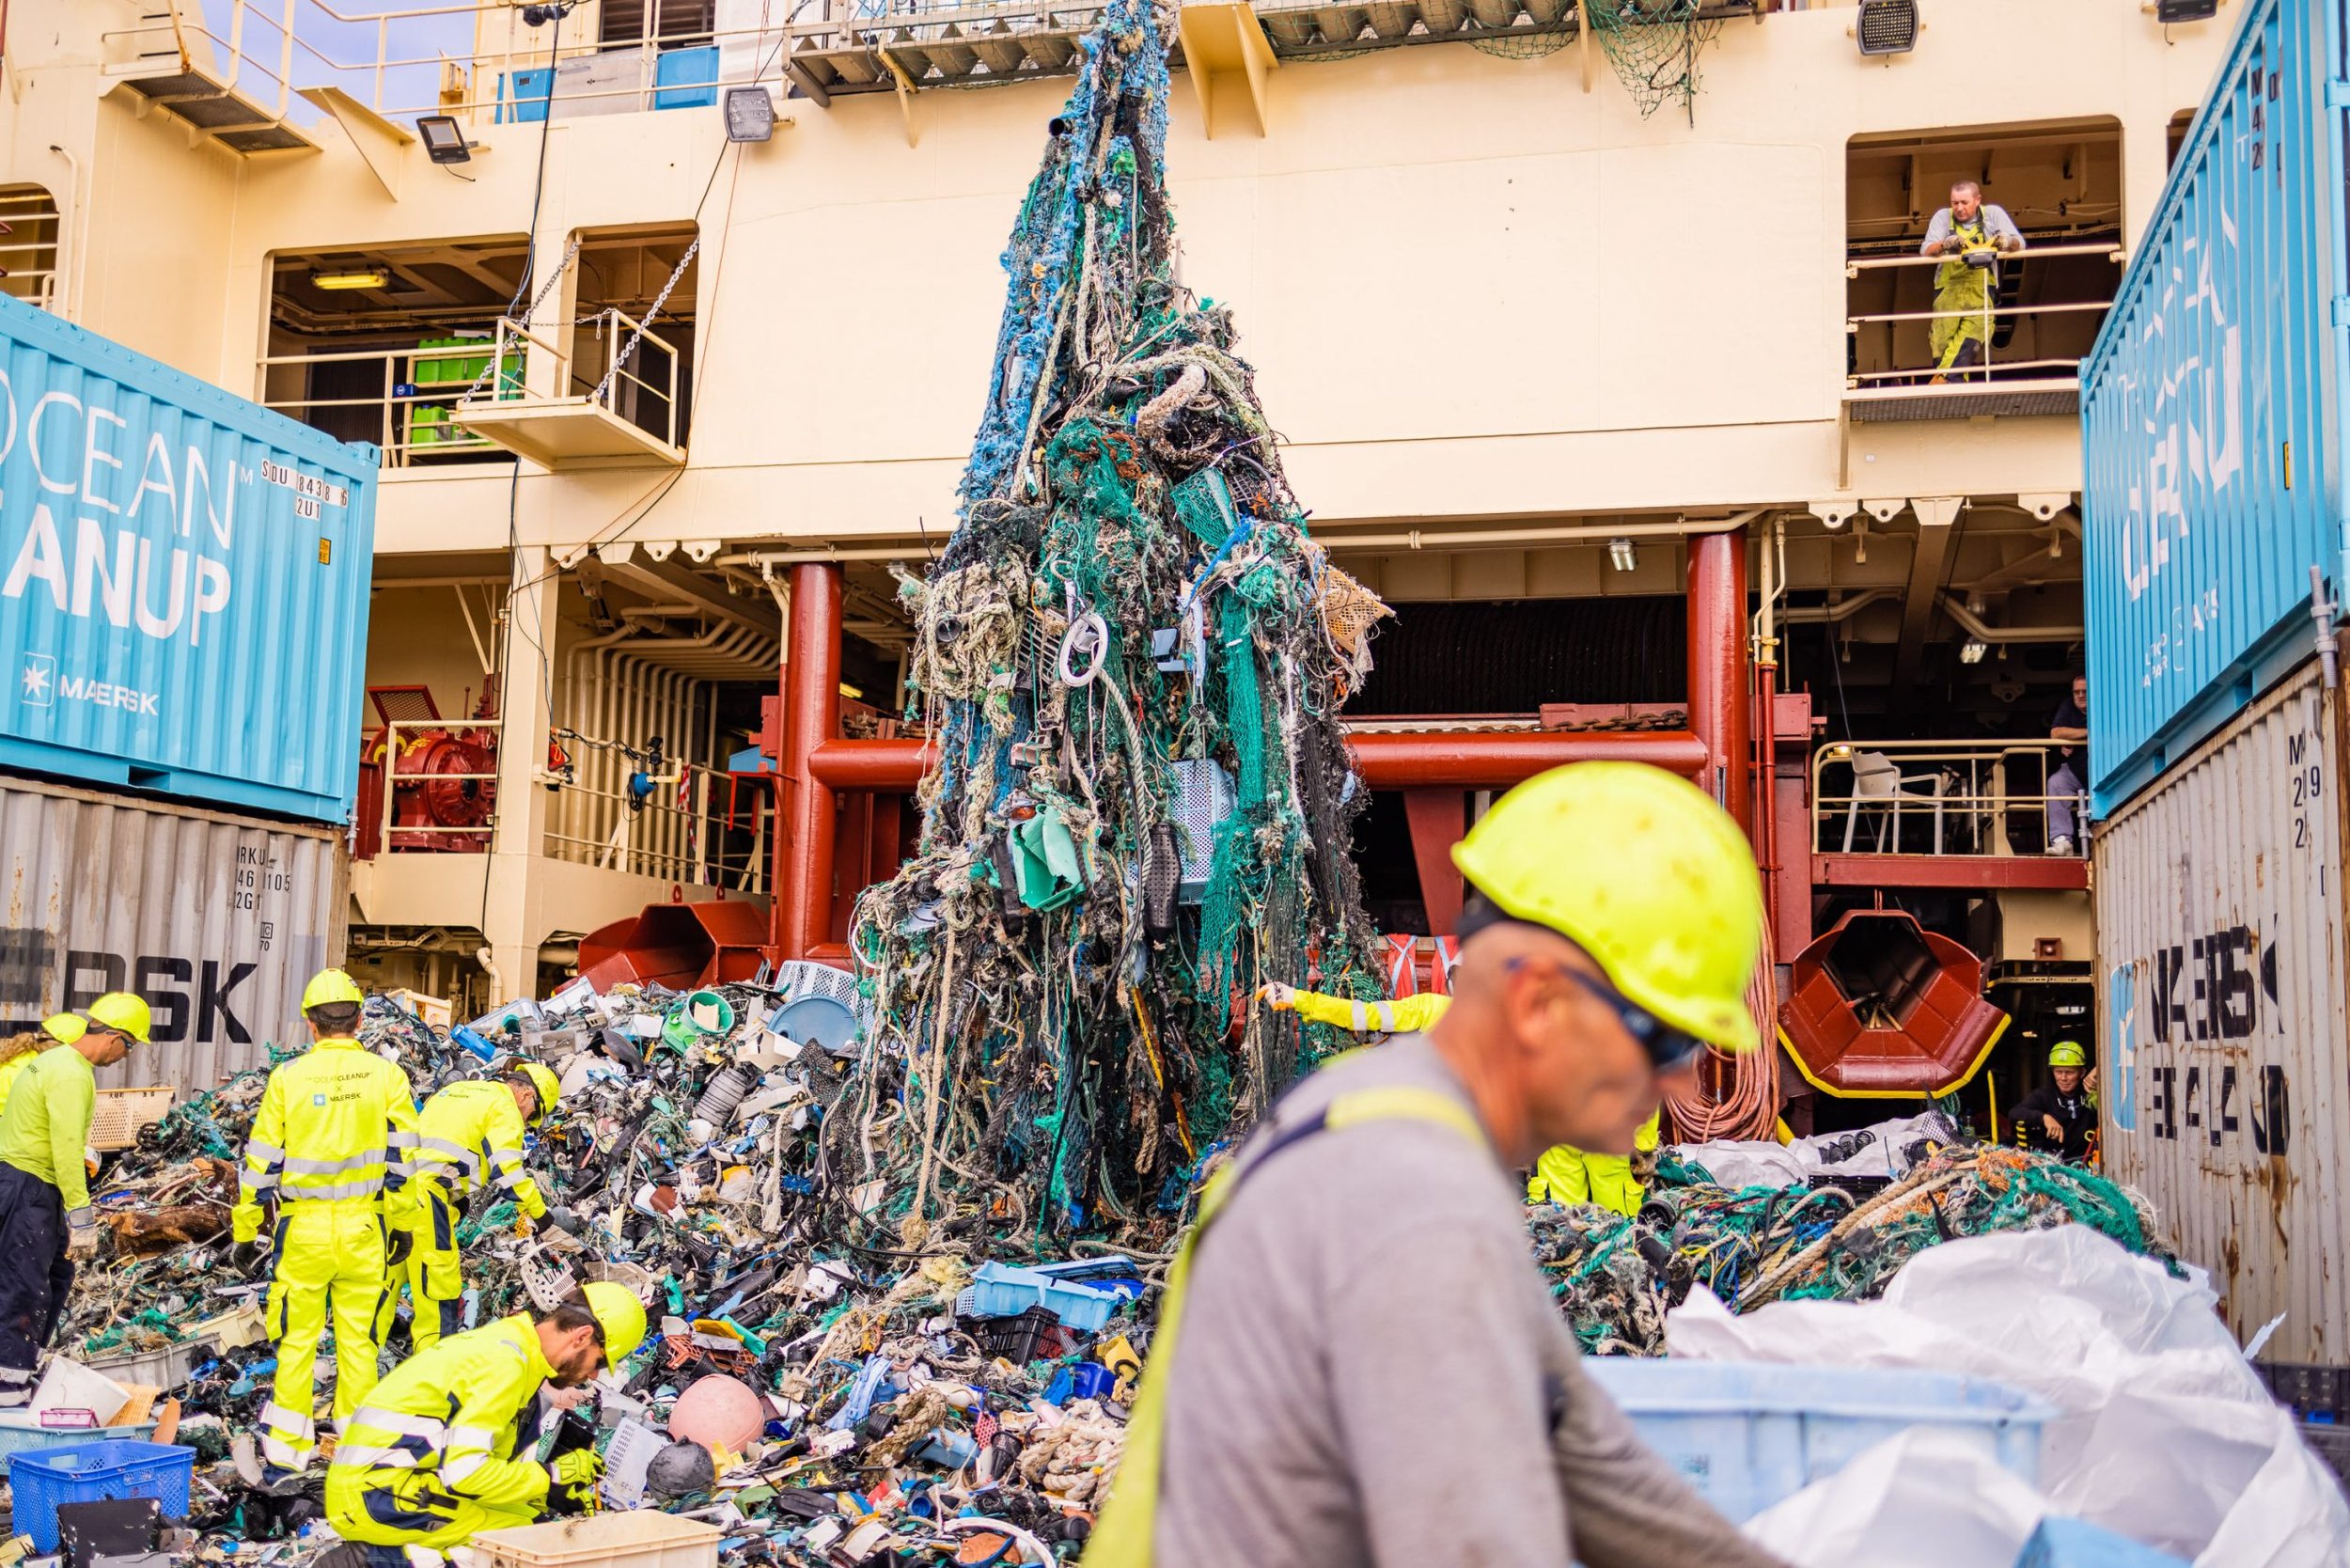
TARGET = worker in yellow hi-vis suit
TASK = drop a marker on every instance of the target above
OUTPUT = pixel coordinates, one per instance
(332, 1144)
(1562, 1175)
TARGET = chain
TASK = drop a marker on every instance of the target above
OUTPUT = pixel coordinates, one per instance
(570, 254)
(628, 351)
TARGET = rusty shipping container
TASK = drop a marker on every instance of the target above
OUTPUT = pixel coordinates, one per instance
(2222, 985)
(218, 920)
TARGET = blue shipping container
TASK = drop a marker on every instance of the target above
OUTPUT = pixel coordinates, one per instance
(2211, 409)
(184, 580)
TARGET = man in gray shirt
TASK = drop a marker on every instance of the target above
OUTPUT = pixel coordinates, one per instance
(1963, 293)
(1366, 1365)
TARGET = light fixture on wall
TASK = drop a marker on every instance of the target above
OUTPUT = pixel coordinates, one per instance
(1621, 556)
(444, 139)
(1971, 653)
(357, 278)
(750, 115)
(1887, 26)
(2168, 11)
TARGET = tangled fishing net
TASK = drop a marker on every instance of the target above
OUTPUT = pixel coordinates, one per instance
(1615, 1277)
(1653, 46)
(1131, 658)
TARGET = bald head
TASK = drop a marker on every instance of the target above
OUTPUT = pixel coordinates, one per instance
(1546, 1061)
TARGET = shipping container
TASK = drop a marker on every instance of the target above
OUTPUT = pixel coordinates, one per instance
(2222, 985)
(2212, 409)
(183, 581)
(217, 921)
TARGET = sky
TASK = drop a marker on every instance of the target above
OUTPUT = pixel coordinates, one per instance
(407, 91)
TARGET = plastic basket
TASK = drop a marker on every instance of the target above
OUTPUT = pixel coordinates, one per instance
(19, 1434)
(1000, 1291)
(1034, 1334)
(121, 1112)
(1746, 1435)
(167, 1368)
(96, 1472)
(642, 1538)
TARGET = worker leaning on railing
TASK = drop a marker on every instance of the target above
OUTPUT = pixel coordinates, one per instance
(1973, 234)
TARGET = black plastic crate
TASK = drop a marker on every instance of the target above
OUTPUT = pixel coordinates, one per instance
(1035, 1335)
(2314, 1393)
(2330, 1441)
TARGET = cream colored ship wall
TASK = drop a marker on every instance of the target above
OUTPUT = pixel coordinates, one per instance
(1471, 290)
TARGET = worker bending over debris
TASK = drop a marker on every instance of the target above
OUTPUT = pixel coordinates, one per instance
(469, 1136)
(1357, 1361)
(45, 1216)
(1563, 1175)
(18, 1051)
(430, 1460)
(335, 1132)
(2060, 1116)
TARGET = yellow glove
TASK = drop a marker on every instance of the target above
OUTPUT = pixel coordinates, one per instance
(577, 1468)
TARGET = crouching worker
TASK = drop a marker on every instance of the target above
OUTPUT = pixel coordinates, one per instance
(431, 1459)
(1564, 1174)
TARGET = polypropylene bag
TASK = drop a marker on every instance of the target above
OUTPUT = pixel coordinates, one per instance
(1924, 1499)
(2165, 1435)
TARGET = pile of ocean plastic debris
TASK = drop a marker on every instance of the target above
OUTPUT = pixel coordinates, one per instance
(1833, 1217)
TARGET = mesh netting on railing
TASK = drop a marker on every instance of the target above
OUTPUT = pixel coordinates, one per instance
(1653, 47)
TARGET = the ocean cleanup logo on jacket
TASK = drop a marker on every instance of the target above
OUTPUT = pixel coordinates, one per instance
(139, 532)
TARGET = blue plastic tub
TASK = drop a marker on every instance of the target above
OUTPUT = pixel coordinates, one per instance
(1746, 1435)
(1001, 1292)
(685, 78)
(96, 1472)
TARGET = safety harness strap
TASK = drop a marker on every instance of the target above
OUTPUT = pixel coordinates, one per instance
(1123, 1537)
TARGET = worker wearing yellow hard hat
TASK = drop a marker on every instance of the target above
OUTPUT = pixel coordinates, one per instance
(440, 1452)
(1563, 1175)
(330, 1148)
(469, 1138)
(1370, 1214)
(46, 1220)
(2060, 1115)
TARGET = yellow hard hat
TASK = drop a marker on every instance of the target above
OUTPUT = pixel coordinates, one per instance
(124, 1013)
(1643, 871)
(2067, 1053)
(620, 1314)
(65, 1027)
(544, 1082)
(329, 986)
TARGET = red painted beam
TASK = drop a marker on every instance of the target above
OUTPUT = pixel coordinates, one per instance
(1721, 698)
(1385, 759)
(811, 708)
(1958, 872)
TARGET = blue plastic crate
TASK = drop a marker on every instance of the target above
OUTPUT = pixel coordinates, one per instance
(96, 1472)
(685, 78)
(1746, 1435)
(2061, 1542)
(527, 101)
(998, 1290)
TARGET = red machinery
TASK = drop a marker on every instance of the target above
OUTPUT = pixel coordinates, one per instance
(440, 778)
(1879, 1006)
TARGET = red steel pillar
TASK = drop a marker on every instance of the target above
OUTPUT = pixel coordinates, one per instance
(1720, 705)
(811, 711)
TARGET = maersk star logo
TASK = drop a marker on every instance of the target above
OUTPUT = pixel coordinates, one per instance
(39, 682)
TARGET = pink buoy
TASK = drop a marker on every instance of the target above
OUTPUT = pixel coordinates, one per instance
(719, 1412)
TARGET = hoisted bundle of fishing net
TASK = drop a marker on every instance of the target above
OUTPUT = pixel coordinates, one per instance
(1131, 658)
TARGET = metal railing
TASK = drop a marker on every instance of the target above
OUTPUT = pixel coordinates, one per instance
(1992, 312)
(627, 345)
(1939, 797)
(679, 832)
(413, 412)
(426, 59)
(433, 838)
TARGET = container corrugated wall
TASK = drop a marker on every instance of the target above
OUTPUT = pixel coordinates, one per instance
(217, 921)
(2221, 982)
(2209, 408)
(183, 581)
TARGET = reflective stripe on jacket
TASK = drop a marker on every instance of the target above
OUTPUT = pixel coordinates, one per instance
(471, 1134)
(336, 1124)
(456, 1410)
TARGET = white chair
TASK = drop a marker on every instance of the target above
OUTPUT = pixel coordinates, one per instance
(1878, 782)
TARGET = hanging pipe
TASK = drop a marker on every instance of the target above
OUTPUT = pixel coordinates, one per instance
(811, 707)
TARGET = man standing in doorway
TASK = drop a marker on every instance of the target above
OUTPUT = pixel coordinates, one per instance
(1973, 234)
(2070, 779)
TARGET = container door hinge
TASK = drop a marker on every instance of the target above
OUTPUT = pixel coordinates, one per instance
(2340, 317)
(2337, 95)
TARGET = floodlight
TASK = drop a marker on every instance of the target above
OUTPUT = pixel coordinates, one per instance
(750, 115)
(444, 139)
(1887, 26)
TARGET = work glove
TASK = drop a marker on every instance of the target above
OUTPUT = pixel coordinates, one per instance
(1279, 997)
(579, 1467)
(250, 1259)
(397, 1251)
(81, 1236)
(565, 1220)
